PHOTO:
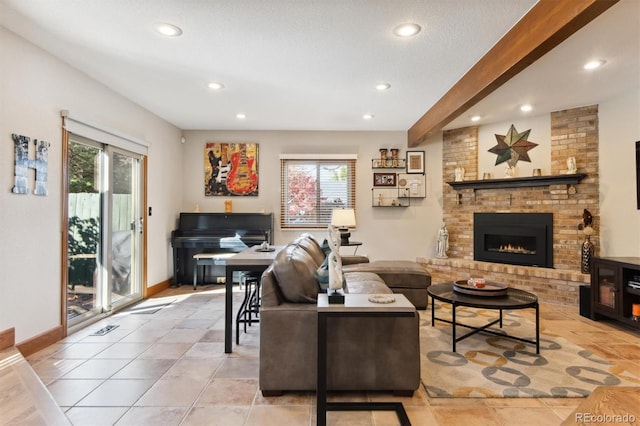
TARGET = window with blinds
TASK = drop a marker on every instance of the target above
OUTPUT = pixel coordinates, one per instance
(312, 187)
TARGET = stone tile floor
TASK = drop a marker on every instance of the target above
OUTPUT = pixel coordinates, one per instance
(169, 368)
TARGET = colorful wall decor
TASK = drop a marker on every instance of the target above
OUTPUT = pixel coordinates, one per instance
(513, 147)
(23, 164)
(230, 169)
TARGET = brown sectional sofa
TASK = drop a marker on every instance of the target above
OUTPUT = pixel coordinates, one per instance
(364, 353)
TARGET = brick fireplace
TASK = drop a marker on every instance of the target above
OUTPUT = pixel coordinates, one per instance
(574, 132)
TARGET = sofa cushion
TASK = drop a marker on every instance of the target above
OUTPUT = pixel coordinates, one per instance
(396, 273)
(350, 259)
(365, 283)
(295, 271)
(308, 243)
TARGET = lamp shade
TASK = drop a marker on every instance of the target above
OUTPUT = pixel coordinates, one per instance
(343, 218)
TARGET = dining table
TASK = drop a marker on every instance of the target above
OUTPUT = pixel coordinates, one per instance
(252, 259)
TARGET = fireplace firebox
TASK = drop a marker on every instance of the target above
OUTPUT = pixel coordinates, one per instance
(514, 238)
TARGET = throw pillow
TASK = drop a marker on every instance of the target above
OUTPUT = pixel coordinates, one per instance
(322, 273)
(325, 247)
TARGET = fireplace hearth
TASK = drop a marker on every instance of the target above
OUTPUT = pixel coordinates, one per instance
(514, 238)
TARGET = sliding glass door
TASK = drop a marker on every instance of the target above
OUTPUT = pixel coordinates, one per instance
(104, 229)
(84, 229)
(126, 227)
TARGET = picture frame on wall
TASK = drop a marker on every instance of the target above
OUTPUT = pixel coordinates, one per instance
(384, 179)
(412, 185)
(415, 161)
(231, 169)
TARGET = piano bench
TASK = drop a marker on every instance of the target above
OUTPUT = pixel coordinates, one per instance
(208, 259)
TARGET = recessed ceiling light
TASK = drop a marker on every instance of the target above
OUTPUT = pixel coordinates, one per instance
(408, 29)
(168, 30)
(382, 86)
(475, 118)
(368, 116)
(526, 108)
(592, 65)
(216, 86)
(241, 116)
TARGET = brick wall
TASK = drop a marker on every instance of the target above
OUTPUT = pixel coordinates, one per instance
(574, 132)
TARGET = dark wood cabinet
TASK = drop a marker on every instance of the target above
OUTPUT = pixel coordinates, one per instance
(615, 288)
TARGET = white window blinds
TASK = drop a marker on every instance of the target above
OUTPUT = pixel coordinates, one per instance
(311, 186)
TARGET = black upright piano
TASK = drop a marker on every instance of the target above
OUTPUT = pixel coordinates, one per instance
(215, 233)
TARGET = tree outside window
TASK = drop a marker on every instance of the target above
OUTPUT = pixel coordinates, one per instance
(311, 189)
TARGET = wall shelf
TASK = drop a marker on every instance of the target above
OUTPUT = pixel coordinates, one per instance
(390, 197)
(519, 182)
(401, 189)
(377, 163)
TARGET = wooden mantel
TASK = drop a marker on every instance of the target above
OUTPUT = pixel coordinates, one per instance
(519, 182)
(545, 26)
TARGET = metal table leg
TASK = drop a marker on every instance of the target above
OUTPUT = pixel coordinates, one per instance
(228, 307)
(453, 325)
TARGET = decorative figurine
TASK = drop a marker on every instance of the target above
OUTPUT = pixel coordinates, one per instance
(587, 245)
(509, 171)
(442, 245)
(571, 166)
(587, 218)
(459, 174)
(335, 292)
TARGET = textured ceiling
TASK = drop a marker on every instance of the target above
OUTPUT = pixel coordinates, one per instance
(313, 65)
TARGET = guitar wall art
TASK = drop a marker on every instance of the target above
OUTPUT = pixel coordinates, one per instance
(230, 169)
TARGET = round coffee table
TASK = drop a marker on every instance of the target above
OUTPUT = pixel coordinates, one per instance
(514, 299)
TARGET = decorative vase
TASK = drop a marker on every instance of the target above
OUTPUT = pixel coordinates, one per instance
(587, 254)
(394, 157)
(383, 157)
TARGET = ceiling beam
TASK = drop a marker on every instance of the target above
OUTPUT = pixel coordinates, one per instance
(545, 26)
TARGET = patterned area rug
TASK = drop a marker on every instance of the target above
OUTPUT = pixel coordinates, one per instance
(487, 366)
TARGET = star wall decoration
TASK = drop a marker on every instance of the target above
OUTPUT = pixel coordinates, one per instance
(513, 147)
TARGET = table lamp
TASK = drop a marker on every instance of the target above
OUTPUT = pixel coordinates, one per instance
(343, 219)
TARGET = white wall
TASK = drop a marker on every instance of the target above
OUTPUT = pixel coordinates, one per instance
(34, 87)
(620, 218)
(387, 233)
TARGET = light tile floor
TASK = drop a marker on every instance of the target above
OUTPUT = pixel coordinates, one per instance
(169, 368)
